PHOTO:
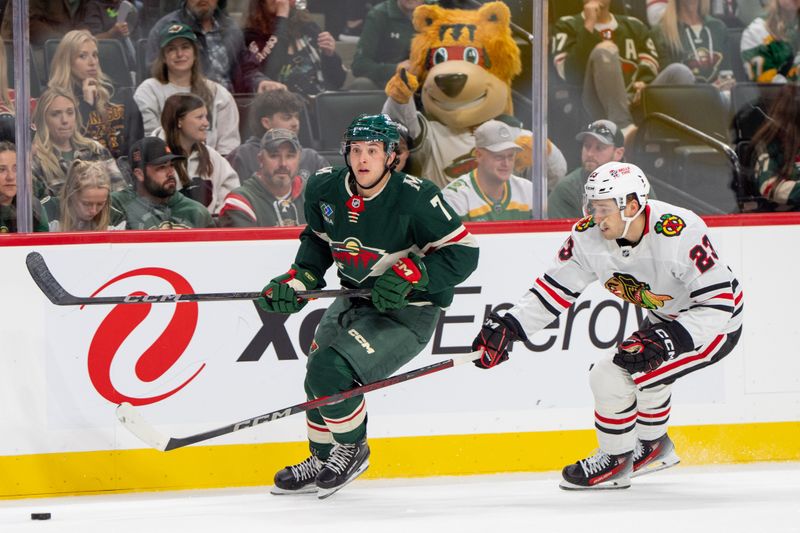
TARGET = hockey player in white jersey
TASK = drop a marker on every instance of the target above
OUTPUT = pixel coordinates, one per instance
(654, 255)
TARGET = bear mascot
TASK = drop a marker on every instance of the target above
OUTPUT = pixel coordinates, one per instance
(462, 61)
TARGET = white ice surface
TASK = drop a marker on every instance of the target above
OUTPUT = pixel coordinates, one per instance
(758, 498)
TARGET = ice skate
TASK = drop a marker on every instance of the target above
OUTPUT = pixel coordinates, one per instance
(599, 471)
(347, 462)
(299, 478)
(653, 455)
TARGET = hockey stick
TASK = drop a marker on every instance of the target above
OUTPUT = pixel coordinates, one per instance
(136, 424)
(58, 295)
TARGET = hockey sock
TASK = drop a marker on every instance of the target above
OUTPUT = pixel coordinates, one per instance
(654, 409)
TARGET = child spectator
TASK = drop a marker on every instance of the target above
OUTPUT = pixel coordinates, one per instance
(58, 142)
(177, 70)
(273, 195)
(154, 202)
(8, 193)
(771, 44)
(778, 144)
(206, 177)
(85, 200)
(491, 192)
(274, 109)
(290, 49)
(110, 118)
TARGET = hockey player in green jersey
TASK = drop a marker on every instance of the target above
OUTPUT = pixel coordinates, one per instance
(387, 231)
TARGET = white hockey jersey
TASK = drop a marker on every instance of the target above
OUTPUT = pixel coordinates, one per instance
(673, 272)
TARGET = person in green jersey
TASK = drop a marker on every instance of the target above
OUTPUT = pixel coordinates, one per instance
(8, 193)
(490, 191)
(155, 202)
(387, 231)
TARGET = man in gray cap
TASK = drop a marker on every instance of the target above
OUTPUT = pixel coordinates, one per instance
(273, 195)
(491, 191)
(601, 143)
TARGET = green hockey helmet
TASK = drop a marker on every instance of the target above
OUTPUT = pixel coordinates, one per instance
(371, 128)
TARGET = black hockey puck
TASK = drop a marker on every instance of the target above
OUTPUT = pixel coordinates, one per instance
(40, 516)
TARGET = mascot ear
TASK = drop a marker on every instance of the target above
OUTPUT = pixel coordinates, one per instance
(495, 13)
(425, 16)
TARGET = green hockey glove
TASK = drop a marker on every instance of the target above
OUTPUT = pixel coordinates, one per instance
(392, 287)
(279, 295)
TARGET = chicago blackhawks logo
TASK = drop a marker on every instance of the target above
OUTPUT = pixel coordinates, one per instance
(355, 260)
(631, 290)
(585, 223)
(670, 225)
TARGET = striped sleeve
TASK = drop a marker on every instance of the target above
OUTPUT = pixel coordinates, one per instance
(715, 294)
(554, 291)
(237, 211)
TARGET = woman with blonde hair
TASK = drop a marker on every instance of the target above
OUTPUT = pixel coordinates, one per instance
(85, 200)
(687, 34)
(58, 142)
(771, 44)
(177, 70)
(109, 116)
(205, 176)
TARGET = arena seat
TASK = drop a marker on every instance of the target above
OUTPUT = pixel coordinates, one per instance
(36, 83)
(336, 109)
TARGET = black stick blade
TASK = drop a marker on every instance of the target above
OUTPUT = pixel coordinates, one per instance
(44, 279)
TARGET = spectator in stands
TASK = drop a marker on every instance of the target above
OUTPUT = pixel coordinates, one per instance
(403, 149)
(154, 202)
(220, 42)
(491, 192)
(771, 44)
(58, 141)
(610, 55)
(48, 19)
(688, 35)
(204, 175)
(102, 21)
(385, 41)
(273, 195)
(109, 116)
(8, 193)
(85, 201)
(655, 10)
(177, 70)
(601, 143)
(777, 144)
(290, 49)
(6, 94)
(274, 109)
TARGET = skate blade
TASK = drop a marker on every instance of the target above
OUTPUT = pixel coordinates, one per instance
(308, 489)
(662, 464)
(326, 493)
(623, 483)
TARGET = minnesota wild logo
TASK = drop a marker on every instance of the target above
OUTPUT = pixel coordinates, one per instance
(355, 260)
(631, 290)
(585, 223)
(670, 225)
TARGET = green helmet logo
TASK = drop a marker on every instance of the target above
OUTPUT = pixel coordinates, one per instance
(379, 128)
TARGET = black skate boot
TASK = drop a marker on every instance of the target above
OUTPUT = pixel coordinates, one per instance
(347, 462)
(299, 478)
(599, 471)
(653, 455)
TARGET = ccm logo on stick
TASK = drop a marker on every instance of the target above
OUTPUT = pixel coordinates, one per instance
(259, 419)
(146, 298)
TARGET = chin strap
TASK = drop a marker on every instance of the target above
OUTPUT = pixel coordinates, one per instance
(629, 221)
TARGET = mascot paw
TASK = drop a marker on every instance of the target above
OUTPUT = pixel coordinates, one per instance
(402, 86)
(524, 158)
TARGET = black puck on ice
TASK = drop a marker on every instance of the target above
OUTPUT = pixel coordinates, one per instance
(40, 516)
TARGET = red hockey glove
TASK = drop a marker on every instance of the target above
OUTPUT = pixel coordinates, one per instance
(649, 348)
(280, 296)
(392, 287)
(496, 336)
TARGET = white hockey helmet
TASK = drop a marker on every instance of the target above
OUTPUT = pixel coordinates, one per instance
(615, 181)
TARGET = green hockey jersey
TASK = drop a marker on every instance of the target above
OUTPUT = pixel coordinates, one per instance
(704, 52)
(366, 236)
(766, 57)
(572, 45)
